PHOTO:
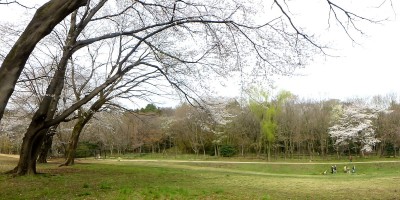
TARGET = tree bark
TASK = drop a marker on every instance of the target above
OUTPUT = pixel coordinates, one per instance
(47, 108)
(44, 150)
(37, 129)
(42, 23)
(74, 139)
(322, 148)
(46, 146)
(73, 142)
(269, 144)
(83, 119)
(31, 144)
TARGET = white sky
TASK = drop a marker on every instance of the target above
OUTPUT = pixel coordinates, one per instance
(371, 68)
(368, 69)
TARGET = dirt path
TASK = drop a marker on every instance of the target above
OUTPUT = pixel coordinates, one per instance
(9, 155)
(213, 162)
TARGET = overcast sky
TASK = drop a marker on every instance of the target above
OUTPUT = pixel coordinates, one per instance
(364, 69)
(369, 68)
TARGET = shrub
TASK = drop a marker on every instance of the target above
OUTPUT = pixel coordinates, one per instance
(227, 150)
(84, 149)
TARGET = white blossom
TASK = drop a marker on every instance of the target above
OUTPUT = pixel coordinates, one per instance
(354, 123)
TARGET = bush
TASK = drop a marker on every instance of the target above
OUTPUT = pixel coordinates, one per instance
(227, 150)
(85, 149)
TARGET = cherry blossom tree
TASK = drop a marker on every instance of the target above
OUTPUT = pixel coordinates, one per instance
(353, 124)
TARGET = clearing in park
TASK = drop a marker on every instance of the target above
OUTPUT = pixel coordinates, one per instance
(160, 178)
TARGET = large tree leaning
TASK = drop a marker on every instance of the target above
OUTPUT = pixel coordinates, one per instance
(42, 23)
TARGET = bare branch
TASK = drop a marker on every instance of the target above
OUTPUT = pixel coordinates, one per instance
(7, 2)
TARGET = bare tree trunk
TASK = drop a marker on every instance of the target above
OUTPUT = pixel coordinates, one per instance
(73, 142)
(46, 146)
(268, 151)
(381, 150)
(37, 129)
(326, 145)
(310, 149)
(47, 142)
(259, 147)
(291, 146)
(83, 119)
(203, 147)
(31, 144)
(285, 142)
(337, 153)
(46, 111)
(42, 23)
(298, 149)
(322, 148)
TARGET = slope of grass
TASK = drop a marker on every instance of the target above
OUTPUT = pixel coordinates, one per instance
(112, 179)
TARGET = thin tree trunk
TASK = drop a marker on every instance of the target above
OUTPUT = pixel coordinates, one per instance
(73, 142)
(291, 146)
(326, 145)
(310, 149)
(337, 153)
(322, 148)
(285, 142)
(268, 151)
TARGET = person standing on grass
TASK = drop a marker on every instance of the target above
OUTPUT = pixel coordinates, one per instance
(351, 158)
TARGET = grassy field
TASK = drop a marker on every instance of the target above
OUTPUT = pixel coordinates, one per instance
(174, 179)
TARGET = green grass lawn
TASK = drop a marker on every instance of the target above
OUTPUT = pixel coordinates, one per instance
(127, 179)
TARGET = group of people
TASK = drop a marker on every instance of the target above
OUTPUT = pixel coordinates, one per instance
(345, 169)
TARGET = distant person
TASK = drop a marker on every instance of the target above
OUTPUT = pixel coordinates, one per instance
(351, 158)
(334, 169)
(353, 170)
(345, 169)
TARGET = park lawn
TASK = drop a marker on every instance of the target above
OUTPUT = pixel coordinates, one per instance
(112, 179)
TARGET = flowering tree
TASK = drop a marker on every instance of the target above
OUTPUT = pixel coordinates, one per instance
(353, 124)
(221, 112)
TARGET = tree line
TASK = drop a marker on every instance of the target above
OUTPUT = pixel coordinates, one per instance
(271, 128)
